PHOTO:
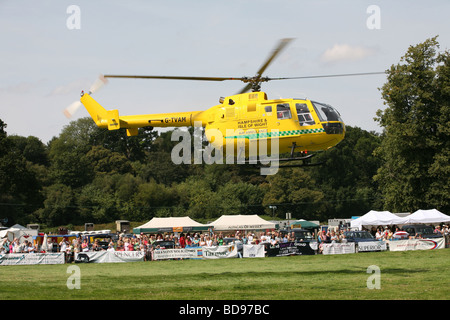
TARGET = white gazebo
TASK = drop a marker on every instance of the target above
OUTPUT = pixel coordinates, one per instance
(171, 224)
(377, 218)
(242, 222)
(427, 216)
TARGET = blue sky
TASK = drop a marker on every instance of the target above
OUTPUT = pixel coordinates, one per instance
(44, 65)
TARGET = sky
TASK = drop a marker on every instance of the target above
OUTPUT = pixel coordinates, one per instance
(50, 51)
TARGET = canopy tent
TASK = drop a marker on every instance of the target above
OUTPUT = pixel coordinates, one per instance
(19, 232)
(376, 218)
(304, 224)
(242, 222)
(427, 216)
(171, 224)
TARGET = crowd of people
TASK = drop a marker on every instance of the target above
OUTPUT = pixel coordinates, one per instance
(149, 242)
(145, 242)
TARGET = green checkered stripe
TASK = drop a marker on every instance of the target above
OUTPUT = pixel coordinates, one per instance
(276, 134)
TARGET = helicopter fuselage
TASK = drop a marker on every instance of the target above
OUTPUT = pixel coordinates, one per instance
(301, 124)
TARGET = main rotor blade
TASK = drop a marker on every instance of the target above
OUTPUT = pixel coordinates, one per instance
(330, 76)
(281, 45)
(173, 77)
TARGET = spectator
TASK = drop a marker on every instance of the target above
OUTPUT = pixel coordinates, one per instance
(30, 248)
(182, 241)
(438, 230)
(62, 246)
(379, 235)
(333, 237)
(202, 241)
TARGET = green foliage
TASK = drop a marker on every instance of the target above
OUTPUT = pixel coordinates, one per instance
(415, 149)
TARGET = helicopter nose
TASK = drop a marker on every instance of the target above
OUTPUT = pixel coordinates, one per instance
(333, 127)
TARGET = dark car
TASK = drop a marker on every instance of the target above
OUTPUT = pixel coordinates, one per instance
(103, 241)
(302, 235)
(359, 236)
(164, 244)
(421, 230)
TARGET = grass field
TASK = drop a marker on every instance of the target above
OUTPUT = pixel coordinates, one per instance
(404, 275)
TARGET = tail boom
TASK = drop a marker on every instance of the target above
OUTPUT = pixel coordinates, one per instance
(111, 120)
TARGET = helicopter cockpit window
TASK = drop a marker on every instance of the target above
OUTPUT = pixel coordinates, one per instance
(326, 112)
(304, 116)
(283, 111)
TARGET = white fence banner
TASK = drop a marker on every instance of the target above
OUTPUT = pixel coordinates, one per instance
(253, 251)
(219, 252)
(193, 253)
(416, 244)
(338, 248)
(31, 258)
(371, 246)
(109, 256)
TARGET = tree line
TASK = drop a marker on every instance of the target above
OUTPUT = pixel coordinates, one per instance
(88, 174)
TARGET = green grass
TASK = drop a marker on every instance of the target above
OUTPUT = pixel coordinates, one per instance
(404, 275)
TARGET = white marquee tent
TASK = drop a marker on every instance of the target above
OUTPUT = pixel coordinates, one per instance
(377, 218)
(242, 222)
(427, 216)
(17, 231)
(171, 224)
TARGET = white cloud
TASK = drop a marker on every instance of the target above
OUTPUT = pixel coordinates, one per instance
(345, 52)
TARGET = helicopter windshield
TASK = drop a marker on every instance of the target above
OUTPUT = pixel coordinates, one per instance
(326, 112)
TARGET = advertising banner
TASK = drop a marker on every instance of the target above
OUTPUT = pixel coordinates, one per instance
(338, 248)
(31, 258)
(367, 246)
(416, 244)
(109, 256)
(291, 248)
(253, 251)
(220, 252)
(193, 253)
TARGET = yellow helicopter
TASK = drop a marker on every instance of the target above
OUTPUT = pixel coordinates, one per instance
(298, 125)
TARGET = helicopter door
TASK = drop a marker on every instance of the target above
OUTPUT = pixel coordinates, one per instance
(304, 115)
(283, 111)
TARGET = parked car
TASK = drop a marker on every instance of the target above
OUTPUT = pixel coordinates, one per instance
(359, 236)
(164, 244)
(421, 230)
(302, 235)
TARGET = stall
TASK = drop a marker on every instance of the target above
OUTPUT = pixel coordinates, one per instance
(431, 216)
(377, 218)
(242, 222)
(171, 224)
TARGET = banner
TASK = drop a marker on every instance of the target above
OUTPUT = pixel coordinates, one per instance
(193, 253)
(220, 252)
(291, 248)
(416, 244)
(367, 246)
(31, 258)
(338, 248)
(253, 251)
(109, 256)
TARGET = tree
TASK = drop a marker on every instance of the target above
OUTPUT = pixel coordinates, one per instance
(415, 148)
(294, 191)
(346, 178)
(19, 187)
